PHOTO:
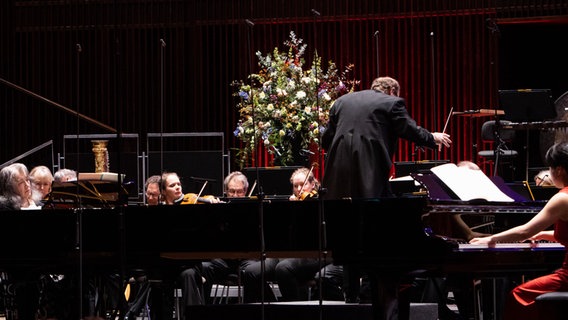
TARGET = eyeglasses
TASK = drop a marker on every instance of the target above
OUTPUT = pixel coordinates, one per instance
(152, 195)
(236, 192)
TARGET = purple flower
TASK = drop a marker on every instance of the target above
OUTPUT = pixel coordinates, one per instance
(244, 95)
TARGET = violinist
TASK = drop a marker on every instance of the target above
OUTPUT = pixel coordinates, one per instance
(304, 184)
(172, 192)
(153, 190)
(294, 274)
(171, 189)
(190, 280)
(236, 185)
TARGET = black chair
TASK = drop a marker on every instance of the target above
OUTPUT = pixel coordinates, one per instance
(553, 305)
(497, 133)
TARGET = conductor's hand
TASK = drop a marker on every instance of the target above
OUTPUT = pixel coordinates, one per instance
(442, 139)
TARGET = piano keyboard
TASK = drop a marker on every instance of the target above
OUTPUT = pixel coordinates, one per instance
(537, 125)
(512, 246)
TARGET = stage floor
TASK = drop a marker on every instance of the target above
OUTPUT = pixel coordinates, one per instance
(301, 310)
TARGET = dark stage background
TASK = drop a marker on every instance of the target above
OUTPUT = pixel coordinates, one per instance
(147, 67)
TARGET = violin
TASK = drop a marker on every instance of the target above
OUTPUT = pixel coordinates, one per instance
(308, 195)
(193, 198)
(305, 194)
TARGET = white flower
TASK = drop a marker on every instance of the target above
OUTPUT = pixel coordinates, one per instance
(286, 108)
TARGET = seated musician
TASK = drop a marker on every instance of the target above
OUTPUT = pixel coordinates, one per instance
(15, 188)
(172, 192)
(41, 180)
(190, 279)
(64, 175)
(152, 187)
(294, 275)
(236, 185)
(16, 194)
(520, 303)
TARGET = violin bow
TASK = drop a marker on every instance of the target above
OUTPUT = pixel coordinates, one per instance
(307, 177)
(201, 191)
(252, 189)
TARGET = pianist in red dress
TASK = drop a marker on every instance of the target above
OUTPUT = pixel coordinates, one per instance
(521, 301)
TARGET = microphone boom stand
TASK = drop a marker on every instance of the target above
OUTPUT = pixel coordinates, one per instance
(260, 193)
(322, 239)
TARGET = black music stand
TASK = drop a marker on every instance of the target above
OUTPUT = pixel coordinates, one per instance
(527, 105)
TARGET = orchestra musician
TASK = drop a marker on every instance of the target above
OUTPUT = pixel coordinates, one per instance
(304, 184)
(360, 140)
(190, 280)
(15, 188)
(294, 275)
(64, 175)
(41, 180)
(520, 303)
(235, 185)
(16, 194)
(152, 187)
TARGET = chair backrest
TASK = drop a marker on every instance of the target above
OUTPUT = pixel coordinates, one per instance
(488, 131)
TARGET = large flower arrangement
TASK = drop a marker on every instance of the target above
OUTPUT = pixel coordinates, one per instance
(283, 104)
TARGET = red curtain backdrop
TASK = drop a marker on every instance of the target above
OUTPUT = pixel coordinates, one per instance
(166, 66)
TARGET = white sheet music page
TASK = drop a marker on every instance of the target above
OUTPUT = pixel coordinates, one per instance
(469, 184)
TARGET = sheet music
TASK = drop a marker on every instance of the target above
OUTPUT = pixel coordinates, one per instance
(469, 184)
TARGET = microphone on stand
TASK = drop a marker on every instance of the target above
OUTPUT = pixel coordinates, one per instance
(376, 35)
(492, 26)
(315, 12)
(163, 43)
(249, 23)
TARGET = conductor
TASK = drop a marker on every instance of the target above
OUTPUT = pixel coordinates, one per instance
(360, 141)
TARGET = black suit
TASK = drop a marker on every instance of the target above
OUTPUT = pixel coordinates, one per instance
(360, 141)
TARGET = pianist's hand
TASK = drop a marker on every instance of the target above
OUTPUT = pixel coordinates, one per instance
(483, 240)
(547, 235)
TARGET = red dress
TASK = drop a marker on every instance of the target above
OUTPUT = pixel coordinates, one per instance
(521, 301)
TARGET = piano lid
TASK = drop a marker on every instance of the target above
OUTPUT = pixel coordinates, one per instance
(438, 190)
